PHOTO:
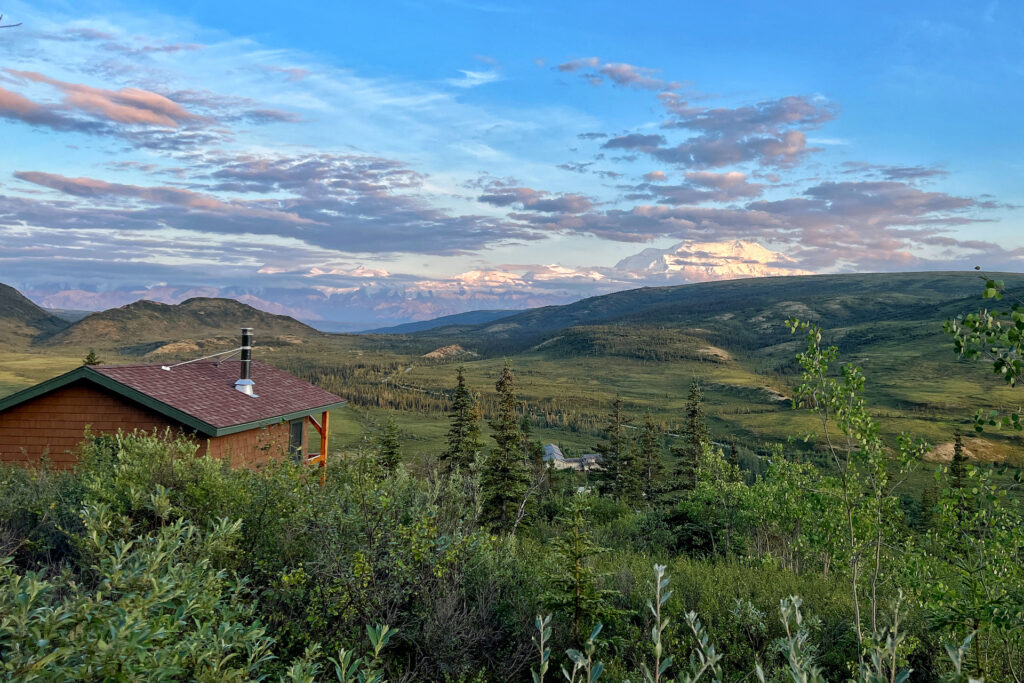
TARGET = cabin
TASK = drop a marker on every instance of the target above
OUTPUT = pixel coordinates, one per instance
(242, 410)
(555, 459)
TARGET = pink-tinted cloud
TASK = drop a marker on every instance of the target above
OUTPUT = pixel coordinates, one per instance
(770, 133)
(19, 108)
(93, 188)
(624, 75)
(293, 74)
(527, 199)
(128, 105)
(731, 185)
(344, 202)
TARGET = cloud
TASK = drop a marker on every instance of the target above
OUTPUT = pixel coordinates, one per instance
(637, 141)
(533, 200)
(700, 187)
(161, 196)
(770, 133)
(19, 108)
(866, 225)
(127, 105)
(178, 120)
(624, 75)
(291, 73)
(655, 177)
(471, 79)
(350, 203)
(730, 185)
(910, 173)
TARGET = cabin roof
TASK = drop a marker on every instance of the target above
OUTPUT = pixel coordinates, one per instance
(200, 395)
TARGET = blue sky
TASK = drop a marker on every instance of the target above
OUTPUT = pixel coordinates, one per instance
(392, 161)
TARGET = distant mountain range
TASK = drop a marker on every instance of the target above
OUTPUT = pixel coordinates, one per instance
(706, 261)
(744, 313)
(346, 300)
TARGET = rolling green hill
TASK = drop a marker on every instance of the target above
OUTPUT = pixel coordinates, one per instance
(21, 321)
(747, 313)
(194, 325)
(467, 318)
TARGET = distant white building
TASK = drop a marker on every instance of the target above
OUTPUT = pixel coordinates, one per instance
(555, 459)
(552, 452)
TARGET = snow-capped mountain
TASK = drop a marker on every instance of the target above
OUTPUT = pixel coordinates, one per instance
(703, 261)
(368, 297)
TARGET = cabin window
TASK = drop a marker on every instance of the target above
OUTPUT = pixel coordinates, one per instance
(295, 438)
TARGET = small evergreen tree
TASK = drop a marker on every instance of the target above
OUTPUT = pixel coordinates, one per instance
(622, 477)
(958, 467)
(929, 499)
(389, 450)
(695, 437)
(574, 592)
(464, 442)
(648, 458)
(534, 450)
(504, 479)
(91, 358)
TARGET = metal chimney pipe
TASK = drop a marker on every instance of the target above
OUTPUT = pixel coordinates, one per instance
(245, 383)
(246, 353)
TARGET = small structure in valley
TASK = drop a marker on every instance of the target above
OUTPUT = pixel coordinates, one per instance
(241, 410)
(555, 459)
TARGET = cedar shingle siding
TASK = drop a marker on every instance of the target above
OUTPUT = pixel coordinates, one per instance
(198, 400)
(54, 424)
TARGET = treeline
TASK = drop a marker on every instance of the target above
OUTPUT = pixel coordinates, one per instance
(380, 384)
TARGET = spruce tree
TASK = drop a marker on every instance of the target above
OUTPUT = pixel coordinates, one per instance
(91, 358)
(504, 479)
(574, 592)
(464, 442)
(958, 467)
(389, 450)
(929, 499)
(648, 458)
(622, 477)
(533, 454)
(695, 437)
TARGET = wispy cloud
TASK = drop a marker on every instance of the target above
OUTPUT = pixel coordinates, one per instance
(471, 79)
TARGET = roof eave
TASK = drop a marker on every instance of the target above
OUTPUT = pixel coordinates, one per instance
(277, 419)
(87, 373)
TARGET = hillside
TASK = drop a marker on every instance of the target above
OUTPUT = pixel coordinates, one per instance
(745, 313)
(148, 327)
(647, 344)
(467, 318)
(21, 321)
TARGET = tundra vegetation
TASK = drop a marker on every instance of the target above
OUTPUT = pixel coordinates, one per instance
(670, 563)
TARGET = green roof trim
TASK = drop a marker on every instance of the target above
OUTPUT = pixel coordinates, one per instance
(87, 373)
(246, 426)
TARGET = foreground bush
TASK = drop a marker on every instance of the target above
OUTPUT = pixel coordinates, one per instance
(150, 563)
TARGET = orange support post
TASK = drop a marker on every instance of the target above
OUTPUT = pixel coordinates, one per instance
(325, 423)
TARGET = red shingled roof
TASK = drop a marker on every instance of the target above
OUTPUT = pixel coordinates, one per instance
(206, 391)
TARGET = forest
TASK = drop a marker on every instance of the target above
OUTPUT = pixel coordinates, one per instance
(675, 560)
